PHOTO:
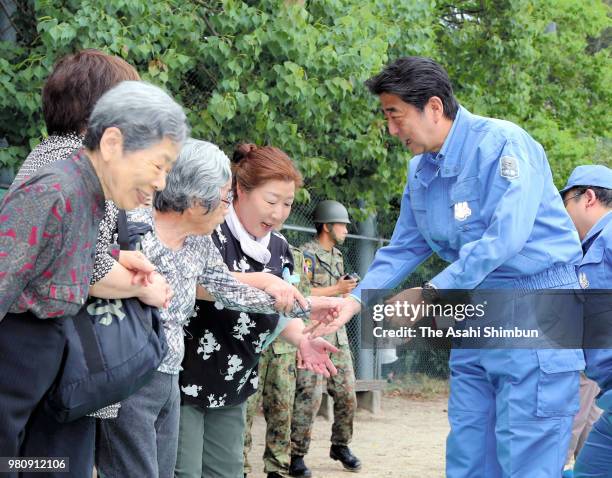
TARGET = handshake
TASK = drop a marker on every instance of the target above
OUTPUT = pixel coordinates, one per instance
(328, 314)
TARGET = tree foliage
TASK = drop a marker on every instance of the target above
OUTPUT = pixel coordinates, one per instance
(530, 62)
(291, 74)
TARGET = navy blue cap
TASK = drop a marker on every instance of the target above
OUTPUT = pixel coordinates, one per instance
(589, 175)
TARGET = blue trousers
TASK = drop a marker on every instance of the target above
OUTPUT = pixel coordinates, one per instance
(595, 458)
(511, 410)
(510, 413)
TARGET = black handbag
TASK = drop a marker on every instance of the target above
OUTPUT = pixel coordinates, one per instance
(113, 347)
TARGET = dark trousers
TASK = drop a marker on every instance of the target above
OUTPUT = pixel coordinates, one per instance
(31, 353)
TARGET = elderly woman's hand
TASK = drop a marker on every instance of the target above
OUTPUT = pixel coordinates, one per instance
(157, 293)
(322, 324)
(284, 294)
(325, 309)
(139, 265)
(314, 355)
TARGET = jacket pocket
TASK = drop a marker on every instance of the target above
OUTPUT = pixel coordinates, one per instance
(558, 382)
(418, 204)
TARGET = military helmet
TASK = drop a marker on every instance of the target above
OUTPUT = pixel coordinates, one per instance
(329, 211)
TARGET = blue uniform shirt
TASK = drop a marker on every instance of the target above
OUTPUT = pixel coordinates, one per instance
(486, 203)
(596, 273)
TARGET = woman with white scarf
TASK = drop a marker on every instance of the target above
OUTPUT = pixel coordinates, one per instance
(142, 440)
(222, 347)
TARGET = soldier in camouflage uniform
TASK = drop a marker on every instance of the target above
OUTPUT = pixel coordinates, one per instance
(327, 278)
(276, 388)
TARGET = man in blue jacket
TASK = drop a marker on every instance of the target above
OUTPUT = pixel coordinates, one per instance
(480, 194)
(588, 199)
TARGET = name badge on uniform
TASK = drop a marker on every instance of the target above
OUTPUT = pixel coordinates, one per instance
(462, 211)
(509, 167)
(584, 280)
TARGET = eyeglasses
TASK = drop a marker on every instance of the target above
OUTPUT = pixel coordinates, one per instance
(228, 198)
(572, 197)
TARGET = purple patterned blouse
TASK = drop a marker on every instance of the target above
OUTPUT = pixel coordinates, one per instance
(48, 229)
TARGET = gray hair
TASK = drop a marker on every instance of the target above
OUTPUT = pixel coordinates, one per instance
(200, 171)
(144, 113)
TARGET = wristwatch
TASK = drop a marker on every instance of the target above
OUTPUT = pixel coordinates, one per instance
(430, 293)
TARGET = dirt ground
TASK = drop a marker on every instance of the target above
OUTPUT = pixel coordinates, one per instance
(406, 440)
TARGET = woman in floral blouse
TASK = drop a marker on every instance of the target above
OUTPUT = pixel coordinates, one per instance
(68, 97)
(142, 441)
(48, 229)
(223, 346)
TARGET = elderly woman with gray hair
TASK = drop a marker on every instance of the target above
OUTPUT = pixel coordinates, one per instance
(48, 229)
(69, 95)
(143, 440)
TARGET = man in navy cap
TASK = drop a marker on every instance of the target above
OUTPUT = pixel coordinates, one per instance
(588, 200)
(480, 195)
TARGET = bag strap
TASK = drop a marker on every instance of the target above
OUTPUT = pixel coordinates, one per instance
(123, 237)
(83, 325)
(91, 350)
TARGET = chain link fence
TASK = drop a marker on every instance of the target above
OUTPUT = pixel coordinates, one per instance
(358, 251)
(8, 30)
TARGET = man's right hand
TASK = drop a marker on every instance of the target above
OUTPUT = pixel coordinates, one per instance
(345, 286)
(157, 293)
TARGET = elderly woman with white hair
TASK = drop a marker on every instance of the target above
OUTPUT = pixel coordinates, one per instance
(48, 229)
(143, 440)
(69, 94)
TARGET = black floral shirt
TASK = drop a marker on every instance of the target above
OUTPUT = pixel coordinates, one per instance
(197, 262)
(222, 346)
(48, 229)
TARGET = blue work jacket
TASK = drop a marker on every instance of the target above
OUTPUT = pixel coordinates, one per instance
(486, 203)
(595, 272)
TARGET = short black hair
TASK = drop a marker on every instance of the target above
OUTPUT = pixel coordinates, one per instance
(319, 227)
(415, 79)
(603, 195)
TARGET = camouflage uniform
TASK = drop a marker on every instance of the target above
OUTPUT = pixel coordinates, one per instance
(277, 375)
(325, 268)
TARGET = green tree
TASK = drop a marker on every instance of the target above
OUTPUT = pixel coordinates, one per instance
(533, 62)
(150, 35)
(291, 73)
(295, 79)
(264, 71)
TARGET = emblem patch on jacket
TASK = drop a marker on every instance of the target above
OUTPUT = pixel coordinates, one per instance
(462, 211)
(509, 167)
(309, 265)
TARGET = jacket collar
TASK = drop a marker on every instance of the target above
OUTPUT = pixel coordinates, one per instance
(596, 230)
(447, 162)
(90, 178)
